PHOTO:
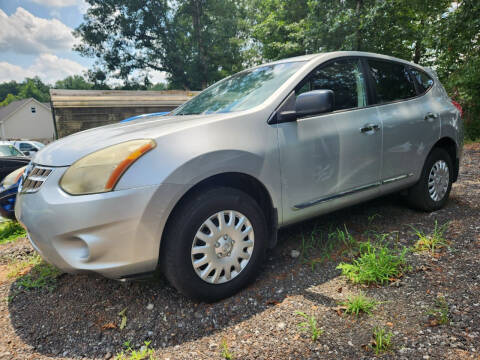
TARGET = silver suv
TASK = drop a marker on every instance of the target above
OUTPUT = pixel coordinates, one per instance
(202, 193)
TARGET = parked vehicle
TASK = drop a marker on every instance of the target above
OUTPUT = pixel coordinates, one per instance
(28, 147)
(8, 193)
(202, 192)
(10, 159)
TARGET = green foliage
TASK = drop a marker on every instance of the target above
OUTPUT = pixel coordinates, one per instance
(11, 231)
(357, 304)
(433, 241)
(8, 99)
(310, 325)
(440, 311)
(75, 82)
(31, 87)
(196, 42)
(40, 276)
(129, 353)
(382, 340)
(226, 353)
(376, 264)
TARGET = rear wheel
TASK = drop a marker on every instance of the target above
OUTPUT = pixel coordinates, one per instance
(432, 190)
(214, 244)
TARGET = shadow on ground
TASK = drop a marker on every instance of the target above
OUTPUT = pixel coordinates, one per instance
(80, 316)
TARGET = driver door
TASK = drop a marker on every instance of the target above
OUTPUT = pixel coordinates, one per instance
(332, 155)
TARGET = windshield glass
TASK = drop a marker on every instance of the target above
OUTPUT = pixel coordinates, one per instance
(9, 150)
(241, 91)
(39, 145)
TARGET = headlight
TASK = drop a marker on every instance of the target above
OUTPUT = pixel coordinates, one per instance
(100, 171)
(13, 177)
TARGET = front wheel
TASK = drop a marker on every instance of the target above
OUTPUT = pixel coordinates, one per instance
(214, 244)
(432, 190)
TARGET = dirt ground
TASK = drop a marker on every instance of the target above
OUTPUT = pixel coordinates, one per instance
(80, 318)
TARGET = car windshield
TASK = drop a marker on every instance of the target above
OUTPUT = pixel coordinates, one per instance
(241, 91)
(9, 150)
(39, 145)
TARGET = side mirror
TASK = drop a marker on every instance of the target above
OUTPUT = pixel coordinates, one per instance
(26, 153)
(314, 102)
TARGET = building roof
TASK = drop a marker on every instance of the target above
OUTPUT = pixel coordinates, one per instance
(6, 111)
(118, 98)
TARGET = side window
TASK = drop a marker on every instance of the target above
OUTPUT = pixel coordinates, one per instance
(424, 81)
(26, 147)
(344, 78)
(391, 80)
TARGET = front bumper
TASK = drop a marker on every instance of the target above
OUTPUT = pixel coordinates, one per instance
(113, 234)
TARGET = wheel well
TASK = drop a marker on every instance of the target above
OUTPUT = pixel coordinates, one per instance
(451, 148)
(240, 181)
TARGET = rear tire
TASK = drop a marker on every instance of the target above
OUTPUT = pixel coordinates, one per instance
(208, 229)
(431, 192)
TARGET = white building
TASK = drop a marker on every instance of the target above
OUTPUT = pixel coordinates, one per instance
(26, 119)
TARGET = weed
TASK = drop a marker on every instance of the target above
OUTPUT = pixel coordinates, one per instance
(382, 340)
(34, 273)
(11, 231)
(310, 325)
(226, 354)
(19, 268)
(433, 241)
(440, 311)
(357, 304)
(144, 353)
(336, 242)
(376, 264)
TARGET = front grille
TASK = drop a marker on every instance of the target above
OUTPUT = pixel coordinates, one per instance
(35, 178)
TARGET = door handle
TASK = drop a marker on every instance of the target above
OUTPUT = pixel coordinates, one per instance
(430, 117)
(369, 128)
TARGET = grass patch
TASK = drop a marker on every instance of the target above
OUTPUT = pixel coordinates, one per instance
(226, 353)
(129, 353)
(433, 241)
(382, 340)
(34, 273)
(375, 265)
(318, 248)
(11, 231)
(440, 312)
(310, 325)
(357, 304)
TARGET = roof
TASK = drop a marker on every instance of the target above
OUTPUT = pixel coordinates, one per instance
(6, 111)
(118, 98)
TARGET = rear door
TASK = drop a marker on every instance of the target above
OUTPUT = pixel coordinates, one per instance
(411, 123)
(334, 154)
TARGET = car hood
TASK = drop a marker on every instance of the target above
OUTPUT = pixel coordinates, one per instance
(67, 150)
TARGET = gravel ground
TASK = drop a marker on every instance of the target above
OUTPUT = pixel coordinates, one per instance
(79, 318)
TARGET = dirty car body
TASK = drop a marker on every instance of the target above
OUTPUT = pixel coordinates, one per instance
(302, 147)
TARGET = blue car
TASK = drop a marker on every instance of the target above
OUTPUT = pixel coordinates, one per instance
(8, 193)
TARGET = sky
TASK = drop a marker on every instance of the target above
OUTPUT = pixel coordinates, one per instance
(36, 40)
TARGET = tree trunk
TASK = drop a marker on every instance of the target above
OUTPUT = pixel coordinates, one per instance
(358, 35)
(197, 14)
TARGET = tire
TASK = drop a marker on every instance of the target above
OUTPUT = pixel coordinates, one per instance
(419, 196)
(187, 228)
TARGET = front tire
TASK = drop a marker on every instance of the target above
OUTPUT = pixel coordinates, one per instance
(431, 192)
(214, 244)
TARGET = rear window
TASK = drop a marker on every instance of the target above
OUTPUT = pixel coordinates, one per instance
(424, 81)
(392, 81)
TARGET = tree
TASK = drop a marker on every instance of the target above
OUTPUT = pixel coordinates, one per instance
(76, 82)
(458, 59)
(8, 99)
(194, 41)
